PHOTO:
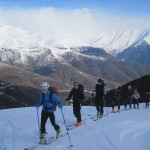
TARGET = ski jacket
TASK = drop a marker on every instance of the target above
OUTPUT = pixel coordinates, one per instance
(47, 105)
(129, 94)
(135, 96)
(78, 96)
(116, 94)
(99, 90)
(147, 96)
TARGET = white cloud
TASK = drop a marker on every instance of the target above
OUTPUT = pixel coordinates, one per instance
(77, 24)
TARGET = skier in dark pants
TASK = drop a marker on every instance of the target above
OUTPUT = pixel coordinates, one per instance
(128, 97)
(147, 99)
(78, 97)
(48, 110)
(135, 97)
(116, 97)
(99, 99)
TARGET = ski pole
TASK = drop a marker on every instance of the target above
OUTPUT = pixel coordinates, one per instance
(38, 119)
(66, 106)
(90, 106)
(66, 129)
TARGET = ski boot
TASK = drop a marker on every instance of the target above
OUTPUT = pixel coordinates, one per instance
(58, 134)
(42, 139)
(113, 111)
(78, 123)
(118, 110)
(101, 115)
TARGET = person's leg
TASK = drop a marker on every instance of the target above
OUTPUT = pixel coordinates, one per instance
(113, 105)
(44, 117)
(101, 106)
(97, 104)
(56, 126)
(52, 120)
(76, 111)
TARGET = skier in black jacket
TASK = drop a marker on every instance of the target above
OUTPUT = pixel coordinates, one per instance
(129, 97)
(116, 97)
(99, 99)
(78, 97)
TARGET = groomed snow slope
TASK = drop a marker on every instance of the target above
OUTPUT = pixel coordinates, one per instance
(128, 130)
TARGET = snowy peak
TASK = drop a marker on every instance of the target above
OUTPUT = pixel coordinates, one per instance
(116, 42)
(10, 32)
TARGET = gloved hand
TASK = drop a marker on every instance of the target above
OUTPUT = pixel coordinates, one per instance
(67, 99)
(92, 94)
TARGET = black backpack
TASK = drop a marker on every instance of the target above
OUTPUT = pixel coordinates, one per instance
(81, 87)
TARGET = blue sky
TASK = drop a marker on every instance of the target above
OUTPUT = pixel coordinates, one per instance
(78, 19)
(124, 7)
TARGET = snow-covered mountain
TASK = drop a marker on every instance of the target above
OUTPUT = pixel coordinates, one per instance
(128, 130)
(64, 58)
(116, 42)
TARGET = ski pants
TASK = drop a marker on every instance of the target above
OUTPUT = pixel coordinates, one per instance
(147, 103)
(76, 111)
(126, 101)
(44, 116)
(130, 102)
(117, 101)
(135, 101)
(99, 105)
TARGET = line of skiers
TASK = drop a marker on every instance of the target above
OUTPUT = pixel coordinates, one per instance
(129, 96)
(49, 99)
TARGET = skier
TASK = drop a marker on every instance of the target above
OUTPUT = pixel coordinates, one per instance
(129, 97)
(48, 110)
(99, 99)
(147, 99)
(78, 97)
(116, 97)
(135, 98)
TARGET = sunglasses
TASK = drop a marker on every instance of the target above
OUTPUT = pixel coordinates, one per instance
(43, 90)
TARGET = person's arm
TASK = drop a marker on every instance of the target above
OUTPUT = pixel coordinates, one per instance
(138, 95)
(70, 95)
(82, 97)
(40, 101)
(94, 90)
(57, 100)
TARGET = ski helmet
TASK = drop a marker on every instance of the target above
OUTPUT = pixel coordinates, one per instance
(44, 85)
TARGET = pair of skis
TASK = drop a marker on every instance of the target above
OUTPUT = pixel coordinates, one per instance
(70, 127)
(48, 142)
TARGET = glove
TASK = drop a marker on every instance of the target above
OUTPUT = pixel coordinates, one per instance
(92, 94)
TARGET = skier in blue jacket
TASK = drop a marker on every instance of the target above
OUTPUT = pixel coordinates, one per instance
(48, 99)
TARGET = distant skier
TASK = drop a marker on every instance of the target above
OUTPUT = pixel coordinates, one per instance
(78, 97)
(48, 100)
(147, 99)
(135, 98)
(129, 97)
(99, 99)
(116, 97)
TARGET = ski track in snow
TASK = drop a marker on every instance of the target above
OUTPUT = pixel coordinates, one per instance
(128, 130)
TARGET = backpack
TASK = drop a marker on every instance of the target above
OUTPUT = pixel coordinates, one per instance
(52, 90)
(81, 87)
